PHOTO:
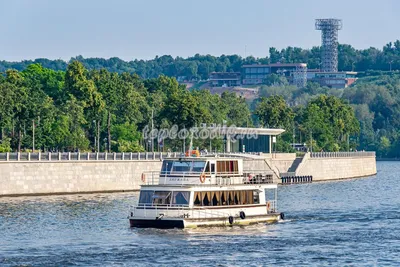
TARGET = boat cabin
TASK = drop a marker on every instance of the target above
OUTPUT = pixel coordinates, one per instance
(203, 198)
(205, 171)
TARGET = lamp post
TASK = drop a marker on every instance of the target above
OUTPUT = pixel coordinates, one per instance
(33, 135)
(152, 128)
(95, 135)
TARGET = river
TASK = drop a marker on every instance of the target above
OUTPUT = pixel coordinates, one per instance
(340, 223)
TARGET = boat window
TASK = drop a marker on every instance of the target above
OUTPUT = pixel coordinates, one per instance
(249, 197)
(188, 166)
(207, 170)
(220, 166)
(167, 166)
(162, 197)
(146, 197)
(227, 198)
(197, 198)
(224, 198)
(231, 198)
(198, 166)
(256, 197)
(236, 198)
(215, 198)
(206, 198)
(212, 167)
(180, 198)
(243, 199)
(181, 166)
(227, 166)
(234, 166)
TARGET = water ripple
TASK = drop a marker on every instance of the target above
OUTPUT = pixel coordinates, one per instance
(341, 223)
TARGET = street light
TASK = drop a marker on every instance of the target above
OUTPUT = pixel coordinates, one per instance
(95, 136)
(105, 144)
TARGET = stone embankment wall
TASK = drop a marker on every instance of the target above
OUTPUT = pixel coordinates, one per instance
(56, 175)
(25, 178)
(321, 166)
(334, 168)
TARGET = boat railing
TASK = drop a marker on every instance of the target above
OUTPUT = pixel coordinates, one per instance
(207, 179)
(272, 206)
(178, 211)
(204, 213)
(150, 209)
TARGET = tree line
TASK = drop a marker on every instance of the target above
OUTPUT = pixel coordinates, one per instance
(98, 110)
(375, 101)
(198, 67)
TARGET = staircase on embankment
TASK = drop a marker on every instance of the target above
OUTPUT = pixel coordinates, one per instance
(292, 177)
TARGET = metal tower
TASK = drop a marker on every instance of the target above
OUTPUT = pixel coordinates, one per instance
(329, 49)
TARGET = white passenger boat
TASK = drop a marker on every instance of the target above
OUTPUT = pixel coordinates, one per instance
(205, 191)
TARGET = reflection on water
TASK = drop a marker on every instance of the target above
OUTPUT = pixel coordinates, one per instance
(339, 223)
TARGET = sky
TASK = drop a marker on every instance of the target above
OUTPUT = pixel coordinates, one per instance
(143, 29)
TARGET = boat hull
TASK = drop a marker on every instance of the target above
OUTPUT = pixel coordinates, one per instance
(169, 223)
(160, 224)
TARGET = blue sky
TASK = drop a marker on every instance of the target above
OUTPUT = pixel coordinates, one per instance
(132, 29)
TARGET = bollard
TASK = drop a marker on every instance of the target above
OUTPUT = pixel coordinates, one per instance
(18, 156)
(29, 156)
(59, 156)
(138, 155)
(123, 155)
(97, 155)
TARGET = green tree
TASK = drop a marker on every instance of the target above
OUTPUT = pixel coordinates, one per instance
(330, 121)
(274, 112)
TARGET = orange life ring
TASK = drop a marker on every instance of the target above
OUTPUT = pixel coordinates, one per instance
(143, 178)
(202, 178)
(268, 206)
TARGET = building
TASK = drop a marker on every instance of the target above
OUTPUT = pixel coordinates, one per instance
(242, 139)
(225, 79)
(295, 73)
(338, 80)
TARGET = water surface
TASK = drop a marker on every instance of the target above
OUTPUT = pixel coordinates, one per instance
(342, 223)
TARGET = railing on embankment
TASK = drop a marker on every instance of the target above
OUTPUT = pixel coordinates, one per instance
(357, 154)
(102, 156)
(73, 156)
